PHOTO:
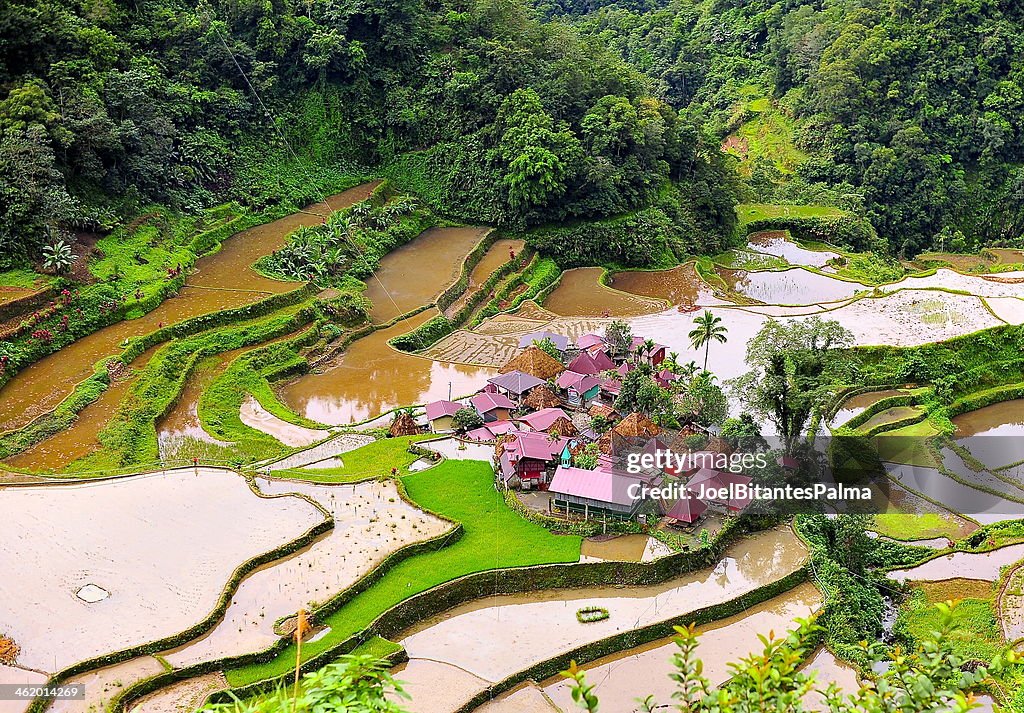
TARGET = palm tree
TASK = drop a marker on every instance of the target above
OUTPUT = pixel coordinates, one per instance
(709, 328)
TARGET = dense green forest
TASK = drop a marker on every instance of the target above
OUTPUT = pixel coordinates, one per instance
(488, 113)
(908, 112)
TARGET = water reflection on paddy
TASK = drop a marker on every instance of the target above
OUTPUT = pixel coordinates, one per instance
(788, 287)
(775, 242)
(993, 434)
(370, 377)
(622, 678)
(678, 286)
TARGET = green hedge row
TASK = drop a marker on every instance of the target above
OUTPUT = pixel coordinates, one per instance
(436, 329)
(39, 705)
(636, 637)
(131, 433)
(881, 405)
(540, 278)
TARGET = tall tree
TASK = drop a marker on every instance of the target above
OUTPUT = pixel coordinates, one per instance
(709, 329)
(794, 368)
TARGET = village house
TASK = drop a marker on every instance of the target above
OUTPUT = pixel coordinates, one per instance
(684, 511)
(591, 342)
(579, 388)
(542, 397)
(652, 356)
(514, 384)
(707, 480)
(608, 413)
(493, 407)
(591, 363)
(542, 420)
(524, 459)
(440, 414)
(601, 493)
(491, 431)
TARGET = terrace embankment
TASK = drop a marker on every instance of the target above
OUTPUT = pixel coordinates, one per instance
(488, 640)
(222, 280)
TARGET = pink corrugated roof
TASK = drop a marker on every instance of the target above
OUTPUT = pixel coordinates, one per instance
(437, 409)
(489, 402)
(542, 420)
(589, 340)
(592, 484)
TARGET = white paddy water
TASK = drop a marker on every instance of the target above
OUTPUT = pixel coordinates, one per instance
(371, 522)
(162, 546)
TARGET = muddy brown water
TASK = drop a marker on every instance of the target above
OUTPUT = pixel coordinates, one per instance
(856, 405)
(222, 280)
(789, 287)
(415, 273)
(495, 257)
(79, 439)
(620, 679)
(580, 294)
(994, 434)
(678, 286)
(496, 636)
(370, 377)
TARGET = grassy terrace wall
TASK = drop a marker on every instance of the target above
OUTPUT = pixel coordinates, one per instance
(433, 330)
(87, 391)
(103, 303)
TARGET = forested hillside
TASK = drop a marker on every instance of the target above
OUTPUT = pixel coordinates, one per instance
(912, 108)
(486, 112)
(909, 112)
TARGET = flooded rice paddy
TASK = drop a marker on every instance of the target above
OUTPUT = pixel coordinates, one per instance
(415, 273)
(788, 287)
(856, 405)
(983, 507)
(371, 522)
(993, 434)
(620, 679)
(163, 545)
(775, 242)
(222, 280)
(580, 294)
(370, 377)
(493, 637)
(680, 286)
(984, 566)
(623, 548)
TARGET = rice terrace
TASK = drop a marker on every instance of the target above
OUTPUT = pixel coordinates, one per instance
(495, 357)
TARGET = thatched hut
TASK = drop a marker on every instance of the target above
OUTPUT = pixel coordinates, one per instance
(403, 425)
(563, 427)
(536, 362)
(636, 425)
(541, 397)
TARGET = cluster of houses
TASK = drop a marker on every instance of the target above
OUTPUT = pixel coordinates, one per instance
(540, 411)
